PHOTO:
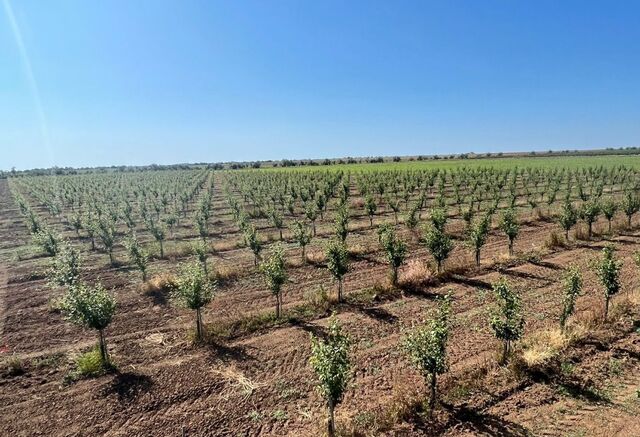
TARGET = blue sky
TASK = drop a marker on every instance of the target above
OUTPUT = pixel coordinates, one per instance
(139, 82)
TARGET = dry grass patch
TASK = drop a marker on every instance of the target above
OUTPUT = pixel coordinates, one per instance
(415, 273)
(543, 345)
(555, 240)
(159, 283)
(226, 273)
(225, 245)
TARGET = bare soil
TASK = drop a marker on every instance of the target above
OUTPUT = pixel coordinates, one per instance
(260, 383)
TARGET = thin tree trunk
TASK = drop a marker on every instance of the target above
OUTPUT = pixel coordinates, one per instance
(278, 306)
(439, 267)
(331, 426)
(606, 307)
(340, 290)
(510, 247)
(432, 399)
(104, 356)
(198, 325)
(161, 250)
(370, 221)
(478, 257)
(304, 256)
(394, 275)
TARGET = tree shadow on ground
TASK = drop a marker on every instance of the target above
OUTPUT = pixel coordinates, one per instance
(485, 423)
(223, 352)
(127, 386)
(471, 282)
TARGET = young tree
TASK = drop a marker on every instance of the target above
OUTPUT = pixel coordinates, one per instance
(159, 232)
(477, 236)
(509, 225)
(107, 234)
(630, 205)
(609, 209)
(589, 213)
(137, 255)
(311, 212)
(427, 347)
(341, 224)
(91, 307)
(337, 262)
(330, 361)
(47, 239)
(65, 268)
(439, 244)
(608, 271)
(394, 248)
(411, 219)
(277, 220)
(201, 251)
(302, 235)
(370, 207)
(572, 289)
(194, 290)
(202, 226)
(568, 218)
(275, 275)
(252, 242)
(507, 322)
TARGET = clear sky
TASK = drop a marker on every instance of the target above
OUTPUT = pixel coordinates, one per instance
(140, 82)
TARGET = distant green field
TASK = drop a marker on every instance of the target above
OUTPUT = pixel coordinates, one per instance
(543, 162)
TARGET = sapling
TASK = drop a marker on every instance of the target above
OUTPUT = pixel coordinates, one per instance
(91, 307)
(568, 218)
(589, 213)
(194, 290)
(302, 236)
(337, 262)
(394, 248)
(370, 207)
(275, 275)
(137, 255)
(201, 251)
(477, 236)
(507, 321)
(65, 268)
(609, 208)
(332, 366)
(439, 244)
(252, 242)
(608, 271)
(572, 288)
(509, 225)
(427, 347)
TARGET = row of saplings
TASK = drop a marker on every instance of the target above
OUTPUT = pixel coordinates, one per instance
(93, 307)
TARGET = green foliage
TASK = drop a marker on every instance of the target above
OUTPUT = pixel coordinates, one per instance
(137, 254)
(193, 290)
(65, 268)
(201, 251)
(275, 274)
(477, 236)
(47, 240)
(438, 218)
(509, 225)
(630, 205)
(370, 207)
(331, 363)
(609, 208)
(608, 272)
(568, 218)
(427, 346)
(89, 364)
(507, 321)
(394, 248)
(572, 287)
(590, 212)
(91, 307)
(341, 224)
(438, 243)
(302, 235)
(337, 262)
(252, 242)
